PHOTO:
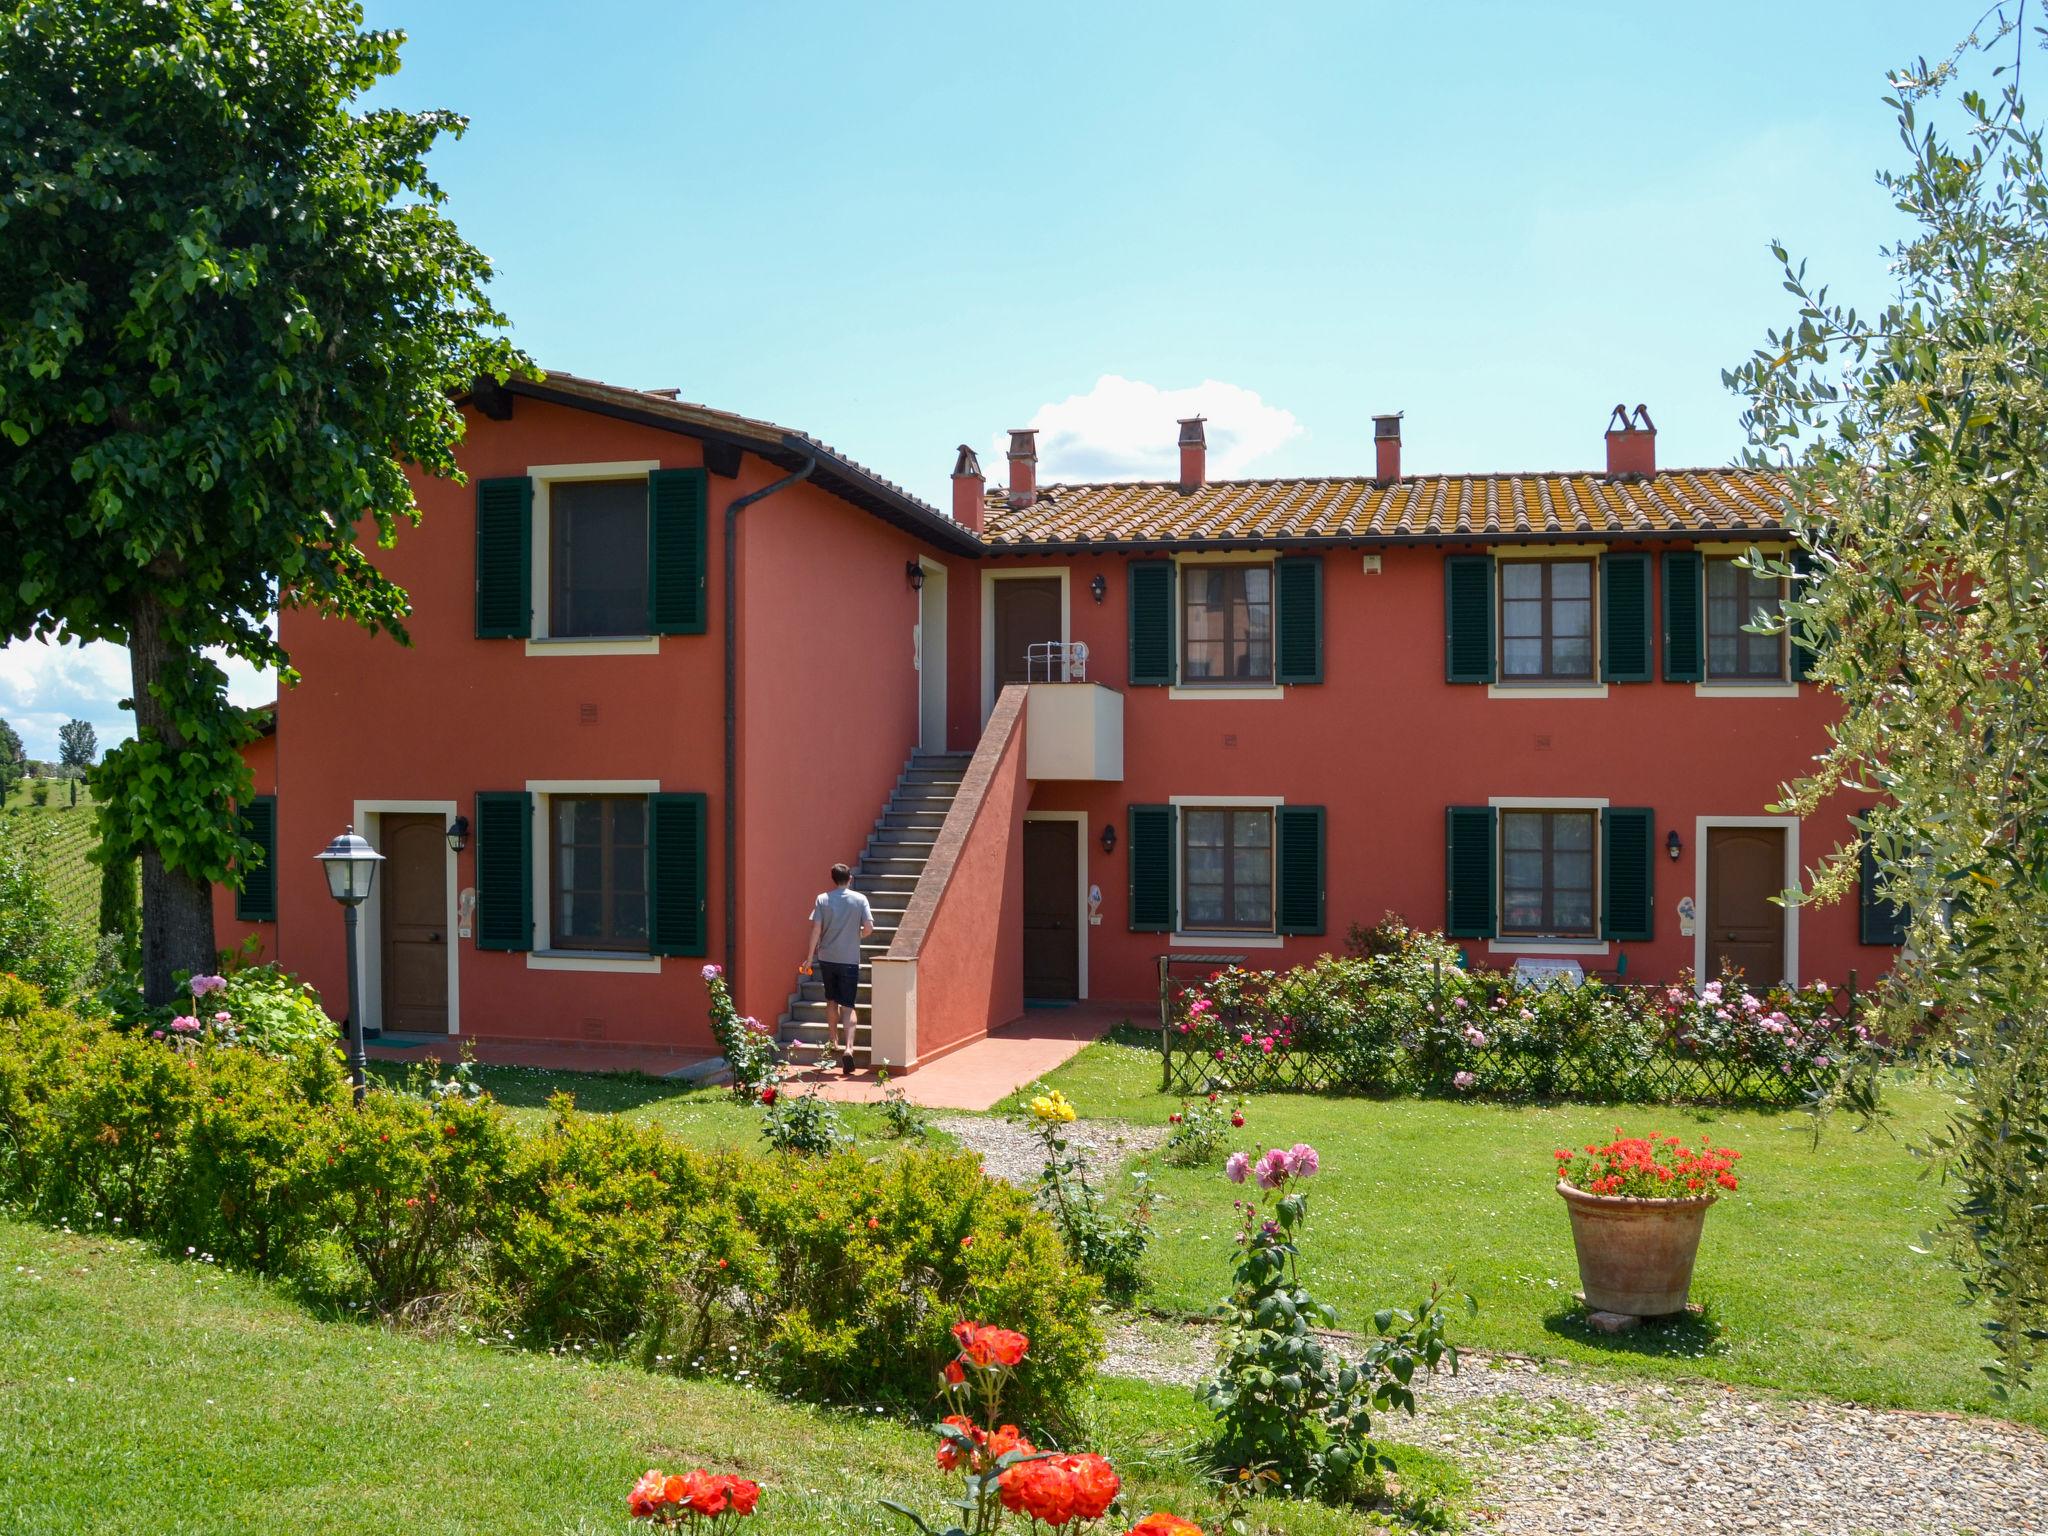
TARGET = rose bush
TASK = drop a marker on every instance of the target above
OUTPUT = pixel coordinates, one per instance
(1108, 1243)
(749, 1046)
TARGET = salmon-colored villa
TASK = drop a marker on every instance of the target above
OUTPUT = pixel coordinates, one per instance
(670, 663)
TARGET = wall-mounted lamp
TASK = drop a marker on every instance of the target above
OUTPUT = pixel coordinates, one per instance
(1108, 836)
(458, 834)
(1672, 845)
(914, 574)
(1099, 586)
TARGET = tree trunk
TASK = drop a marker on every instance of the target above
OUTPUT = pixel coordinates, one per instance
(177, 910)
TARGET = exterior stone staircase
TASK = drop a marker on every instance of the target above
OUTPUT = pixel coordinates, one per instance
(886, 874)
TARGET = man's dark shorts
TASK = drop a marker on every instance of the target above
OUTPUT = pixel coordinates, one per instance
(841, 982)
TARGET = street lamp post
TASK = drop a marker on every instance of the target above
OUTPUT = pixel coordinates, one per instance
(351, 866)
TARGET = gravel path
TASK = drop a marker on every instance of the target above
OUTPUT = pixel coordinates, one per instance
(1562, 1452)
(1010, 1150)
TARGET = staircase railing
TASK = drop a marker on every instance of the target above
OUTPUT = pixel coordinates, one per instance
(955, 968)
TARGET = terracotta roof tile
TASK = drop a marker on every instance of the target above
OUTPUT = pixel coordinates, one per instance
(1562, 505)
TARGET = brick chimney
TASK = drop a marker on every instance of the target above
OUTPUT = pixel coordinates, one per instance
(1631, 442)
(1023, 466)
(1194, 454)
(1386, 445)
(969, 487)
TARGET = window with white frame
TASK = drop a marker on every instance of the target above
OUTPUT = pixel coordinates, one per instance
(1546, 621)
(1737, 598)
(1226, 623)
(1547, 864)
(1227, 864)
(597, 875)
(597, 557)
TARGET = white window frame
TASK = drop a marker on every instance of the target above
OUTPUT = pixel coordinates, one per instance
(368, 818)
(1535, 944)
(1546, 688)
(1210, 938)
(542, 544)
(542, 957)
(1239, 692)
(1786, 686)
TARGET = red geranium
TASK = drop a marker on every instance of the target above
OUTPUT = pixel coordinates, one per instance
(1648, 1167)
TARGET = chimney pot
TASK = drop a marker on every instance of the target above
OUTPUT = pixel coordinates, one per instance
(1386, 444)
(1023, 466)
(1631, 442)
(970, 486)
(1194, 454)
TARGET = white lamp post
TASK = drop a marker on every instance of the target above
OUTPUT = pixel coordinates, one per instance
(351, 866)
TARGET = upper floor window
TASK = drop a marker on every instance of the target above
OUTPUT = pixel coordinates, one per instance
(1546, 620)
(598, 872)
(597, 557)
(1226, 623)
(1737, 597)
(1546, 873)
(1228, 858)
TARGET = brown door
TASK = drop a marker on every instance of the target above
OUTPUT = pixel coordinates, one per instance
(413, 893)
(1027, 614)
(1052, 916)
(1745, 927)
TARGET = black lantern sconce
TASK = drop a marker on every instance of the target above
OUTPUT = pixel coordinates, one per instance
(1108, 838)
(1099, 586)
(1672, 845)
(914, 574)
(458, 834)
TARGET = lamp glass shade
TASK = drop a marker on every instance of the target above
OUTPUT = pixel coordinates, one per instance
(351, 866)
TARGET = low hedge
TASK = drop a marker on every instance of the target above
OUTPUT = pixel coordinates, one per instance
(834, 1278)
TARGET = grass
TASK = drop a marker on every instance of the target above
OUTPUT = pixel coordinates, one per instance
(140, 1395)
(74, 879)
(1809, 1276)
(704, 1117)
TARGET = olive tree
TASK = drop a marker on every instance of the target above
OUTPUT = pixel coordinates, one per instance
(232, 313)
(1916, 445)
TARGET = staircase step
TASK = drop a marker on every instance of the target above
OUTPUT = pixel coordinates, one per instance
(810, 1015)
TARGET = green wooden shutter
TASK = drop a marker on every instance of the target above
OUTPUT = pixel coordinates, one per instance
(256, 901)
(1684, 639)
(1152, 588)
(1469, 835)
(504, 558)
(676, 853)
(1879, 921)
(1298, 837)
(1625, 618)
(676, 506)
(1468, 618)
(1628, 880)
(1800, 656)
(1154, 829)
(1298, 617)
(504, 869)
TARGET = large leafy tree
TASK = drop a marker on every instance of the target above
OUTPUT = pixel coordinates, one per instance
(1917, 440)
(231, 314)
(13, 762)
(77, 743)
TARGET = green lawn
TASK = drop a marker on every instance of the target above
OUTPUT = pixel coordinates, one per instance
(143, 1396)
(1809, 1274)
(704, 1117)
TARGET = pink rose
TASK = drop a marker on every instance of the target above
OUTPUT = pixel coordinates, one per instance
(1464, 1080)
(1235, 1167)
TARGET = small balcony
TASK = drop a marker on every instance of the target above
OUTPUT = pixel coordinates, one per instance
(1073, 729)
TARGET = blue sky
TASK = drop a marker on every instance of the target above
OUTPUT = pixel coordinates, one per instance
(902, 227)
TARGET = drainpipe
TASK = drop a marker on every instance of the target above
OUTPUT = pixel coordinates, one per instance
(733, 509)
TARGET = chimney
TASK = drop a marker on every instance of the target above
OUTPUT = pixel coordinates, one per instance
(1023, 466)
(1194, 454)
(1631, 443)
(969, 486)
(1386, 444)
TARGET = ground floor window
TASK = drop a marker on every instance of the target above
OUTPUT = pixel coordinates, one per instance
(598, 872)
(1546, 879)
(1227, 854)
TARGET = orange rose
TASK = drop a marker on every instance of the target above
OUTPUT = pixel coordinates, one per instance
(1095, 1485)
(1160, 1523)
(950, 1448)
(1045, 1490)
(647, 1496)
(705, 1494)
(987, 1346)
(745, 1494)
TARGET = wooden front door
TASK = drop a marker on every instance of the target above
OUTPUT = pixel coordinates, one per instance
(1745, 927)
(1052, 912)
(413, 893)
(1027, 614)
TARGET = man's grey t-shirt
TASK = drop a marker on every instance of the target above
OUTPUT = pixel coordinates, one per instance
(840, 915)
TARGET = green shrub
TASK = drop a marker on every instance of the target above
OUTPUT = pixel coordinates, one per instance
(830, 1277)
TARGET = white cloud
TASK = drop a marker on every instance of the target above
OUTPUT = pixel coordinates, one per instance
(42, 686)
(1124, 429)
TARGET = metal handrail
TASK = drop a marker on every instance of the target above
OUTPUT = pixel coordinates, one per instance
(1056, 661)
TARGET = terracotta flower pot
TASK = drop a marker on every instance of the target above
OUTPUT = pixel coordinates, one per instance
(1635, 1256)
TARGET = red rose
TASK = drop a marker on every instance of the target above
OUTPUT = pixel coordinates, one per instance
(768, 1094)
(1237, 1121)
